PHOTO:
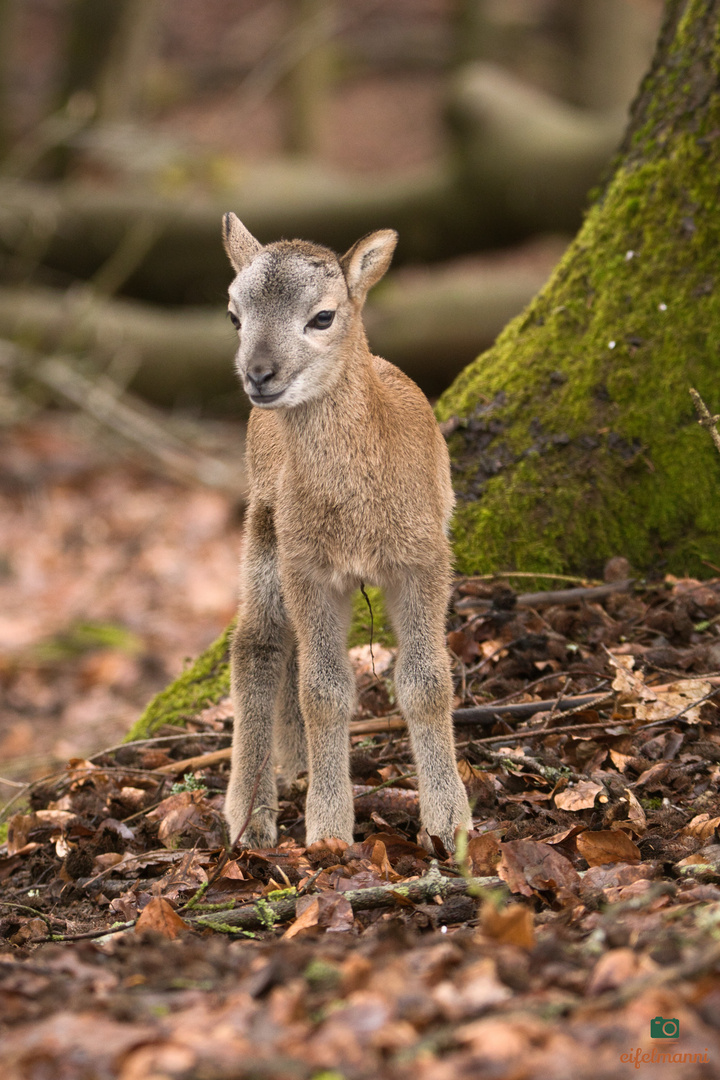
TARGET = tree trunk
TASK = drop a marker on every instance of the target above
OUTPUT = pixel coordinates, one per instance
(577, 437)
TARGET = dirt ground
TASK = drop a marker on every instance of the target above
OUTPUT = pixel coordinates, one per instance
(574, 935)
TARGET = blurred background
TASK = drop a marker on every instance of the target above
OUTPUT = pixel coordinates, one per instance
(476, 128)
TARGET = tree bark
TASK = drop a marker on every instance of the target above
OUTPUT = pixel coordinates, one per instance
(577, 437)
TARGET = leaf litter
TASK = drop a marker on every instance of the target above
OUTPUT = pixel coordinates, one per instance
(584, 905)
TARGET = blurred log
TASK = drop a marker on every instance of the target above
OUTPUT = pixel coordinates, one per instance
(180, 356)
(525, 164)
(79, 227)
(530, 157)
(430, 324)
(616, 41)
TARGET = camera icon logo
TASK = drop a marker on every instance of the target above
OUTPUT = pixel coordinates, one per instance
(664, 1028)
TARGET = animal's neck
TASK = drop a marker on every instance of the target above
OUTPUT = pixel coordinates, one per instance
(338, 414)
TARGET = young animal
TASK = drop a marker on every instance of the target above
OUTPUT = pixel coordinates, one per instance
(350, 483)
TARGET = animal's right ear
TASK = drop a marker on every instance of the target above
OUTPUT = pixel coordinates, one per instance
(240, 245)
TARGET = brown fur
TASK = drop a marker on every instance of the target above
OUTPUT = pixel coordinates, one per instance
(350, 483)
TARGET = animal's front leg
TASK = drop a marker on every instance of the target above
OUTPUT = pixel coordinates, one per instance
(258, 654)
(327, 698)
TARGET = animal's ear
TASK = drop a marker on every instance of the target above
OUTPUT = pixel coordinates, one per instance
(367, 260)
(240, 245)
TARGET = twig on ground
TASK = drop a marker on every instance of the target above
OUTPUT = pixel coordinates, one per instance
(199, 761)
(549, 597)
(424, 889)
(706, 420)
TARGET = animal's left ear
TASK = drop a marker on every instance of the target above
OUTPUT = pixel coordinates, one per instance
(367, 261)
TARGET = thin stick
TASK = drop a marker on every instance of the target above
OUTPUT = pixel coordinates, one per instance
(200, 761)
(367, 601)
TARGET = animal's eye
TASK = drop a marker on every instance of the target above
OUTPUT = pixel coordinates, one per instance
(322, 320)
(234, 319)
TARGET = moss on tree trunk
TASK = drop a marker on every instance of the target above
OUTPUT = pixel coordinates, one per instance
(577, 436)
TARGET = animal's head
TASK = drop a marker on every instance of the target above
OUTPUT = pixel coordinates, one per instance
(296, 307)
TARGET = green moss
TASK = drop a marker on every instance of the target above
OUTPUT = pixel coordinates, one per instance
(359, 632)
(579, 439)
(205, 683)
(208, 680)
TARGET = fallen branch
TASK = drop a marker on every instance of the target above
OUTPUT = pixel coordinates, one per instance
(425, 889)
(550, 597)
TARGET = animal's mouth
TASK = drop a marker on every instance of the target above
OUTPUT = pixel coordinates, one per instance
(266, 399)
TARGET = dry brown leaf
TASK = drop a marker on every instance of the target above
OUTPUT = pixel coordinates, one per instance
(636, 815)
(629, 685)
(607, 846)
(463, 645)
(654, 774)
(48, 823)
(321, 849)
(613, 969)
(702, 827)
(479, 784)
(529, 867)
(675, 699)
(559, 837)
(614, 875)
(380, 861)
(307, 913)
(330, 910)
(484, 854)
(161, 917)
(620, 761)
(187, 818)
(580, 796)
(480, 988)
(513, 925)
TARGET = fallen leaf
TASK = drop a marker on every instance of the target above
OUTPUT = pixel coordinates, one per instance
(613, 969)
(480, 988)
(484, 854)
(307, 913)
(680, 697)
(636, 815)
(529, 867)
(606, 846)
(580, 796)
(160, 916)
(512, 925)
(702, 827)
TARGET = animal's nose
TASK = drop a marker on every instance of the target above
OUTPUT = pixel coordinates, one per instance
(260, 374)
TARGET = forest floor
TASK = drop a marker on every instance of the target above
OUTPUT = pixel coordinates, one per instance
(577, 935)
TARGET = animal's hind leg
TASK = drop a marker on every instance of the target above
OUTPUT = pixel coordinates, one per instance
(290, 741)
(258, 654)
(417, 604)
(321, 616)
